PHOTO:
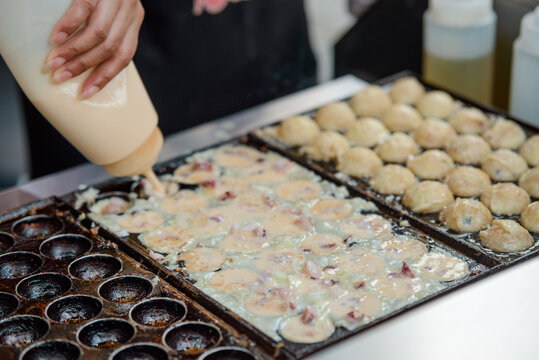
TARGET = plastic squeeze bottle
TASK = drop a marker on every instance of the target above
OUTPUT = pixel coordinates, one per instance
(524, 95)
(116, 128)
(459, 39)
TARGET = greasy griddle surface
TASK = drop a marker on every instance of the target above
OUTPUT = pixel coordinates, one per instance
(479, 264)
(101, 244)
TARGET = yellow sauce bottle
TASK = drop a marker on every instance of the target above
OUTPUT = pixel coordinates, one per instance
(459, 39)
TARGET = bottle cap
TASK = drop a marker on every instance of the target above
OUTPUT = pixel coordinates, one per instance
(460, 12)
(529, 30)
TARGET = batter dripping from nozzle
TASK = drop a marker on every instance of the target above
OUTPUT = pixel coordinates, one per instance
(158, 189)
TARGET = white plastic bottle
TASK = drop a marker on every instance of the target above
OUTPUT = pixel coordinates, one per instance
(458, 46)
(524, 94)
(117, 128)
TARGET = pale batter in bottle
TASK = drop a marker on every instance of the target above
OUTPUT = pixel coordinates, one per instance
(116, 128)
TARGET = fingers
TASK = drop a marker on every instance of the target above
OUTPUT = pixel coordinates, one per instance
(96, 31)
(107, 70)
(99, 52)
(75, 16)
(108, 43)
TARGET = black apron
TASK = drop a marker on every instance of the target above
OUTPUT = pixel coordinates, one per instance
(199, 68)
(386, 39)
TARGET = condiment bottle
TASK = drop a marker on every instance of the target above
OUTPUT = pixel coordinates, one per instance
(458, 39)
(524, 93)
(116, 128)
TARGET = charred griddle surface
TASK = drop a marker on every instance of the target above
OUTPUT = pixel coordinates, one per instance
(68, 292)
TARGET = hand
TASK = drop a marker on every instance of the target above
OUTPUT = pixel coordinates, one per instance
(108, 41)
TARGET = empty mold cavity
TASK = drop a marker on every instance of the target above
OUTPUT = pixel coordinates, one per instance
(37, 226)
(93, 267)
(125, 289)
(6, 241)
(140, 351)
(228, 353)
(192, 337)
(65, 246)
(52, 350)
(22, 330)
(74, 309)
(8, 304)
(106, 333)
(43, 286)
(18, 264)
(158, 312)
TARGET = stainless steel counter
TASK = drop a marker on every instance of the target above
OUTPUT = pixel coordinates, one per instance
(494, 318)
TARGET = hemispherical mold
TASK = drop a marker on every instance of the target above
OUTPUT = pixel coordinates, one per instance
(192, 337)
(125, 289)
(92, 267)
(18, 264)
(65, 246)
(6, 241)
(8, 304)
(37, 226)
(158, 312)
(228, 353)
(22, 330)
(53, 349)
(106, 333)
(43, 286)
(74, 309)
(140, 351)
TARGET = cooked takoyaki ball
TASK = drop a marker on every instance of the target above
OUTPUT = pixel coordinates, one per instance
(406, 90)
(367, 132)
(530, 150)
(298, 130)
(326, 146)
(402, 117)
(467, 181)
(468, 149)
(504, 165)
(397, 148)
(505, 134)
(529, 218)
(434, 134)
(359, 162)
(505, 199)
(431, 165)
(392, 179)
(529, 181)
(506, 236)
(436, 104)
(469, 121)
(466, 215)
(427, 197)
(370, 101)
(337, 116)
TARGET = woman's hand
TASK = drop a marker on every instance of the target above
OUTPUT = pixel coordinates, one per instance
(108, 41)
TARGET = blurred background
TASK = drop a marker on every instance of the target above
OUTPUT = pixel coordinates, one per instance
(344, 35)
